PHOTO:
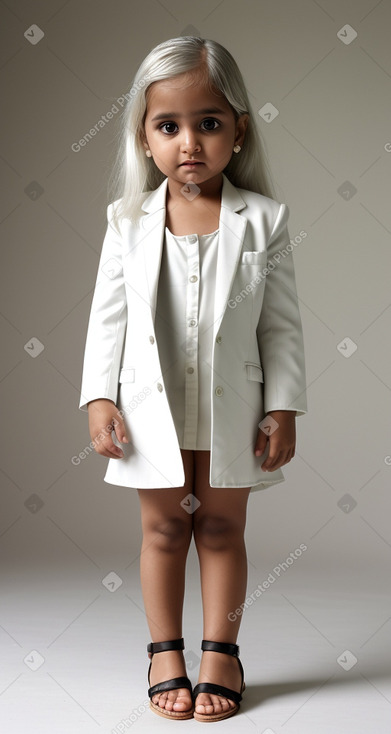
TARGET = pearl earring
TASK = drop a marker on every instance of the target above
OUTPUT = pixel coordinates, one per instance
(237, 148)
(148, 153)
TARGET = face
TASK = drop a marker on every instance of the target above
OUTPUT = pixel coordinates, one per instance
(189, 122)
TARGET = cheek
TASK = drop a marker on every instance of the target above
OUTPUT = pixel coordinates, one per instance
(223, 142)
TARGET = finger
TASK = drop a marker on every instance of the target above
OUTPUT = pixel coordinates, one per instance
(120, 430)
(283, 457)
(105, 446)
(272, 462)
(261, 442)
(109, 449)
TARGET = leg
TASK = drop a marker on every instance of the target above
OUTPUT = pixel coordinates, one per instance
(218, 526)
(167, 532)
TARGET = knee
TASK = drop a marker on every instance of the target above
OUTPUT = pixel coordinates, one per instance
(216, 533)
(169, 534)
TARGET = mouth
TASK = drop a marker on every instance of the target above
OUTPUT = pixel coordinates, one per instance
(191, 164)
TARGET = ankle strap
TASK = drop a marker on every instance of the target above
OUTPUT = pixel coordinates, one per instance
(227, 647)
(153, 647)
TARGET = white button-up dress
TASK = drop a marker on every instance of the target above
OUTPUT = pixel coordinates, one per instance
(184, 332)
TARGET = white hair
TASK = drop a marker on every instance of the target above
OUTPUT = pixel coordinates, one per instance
(133, 172)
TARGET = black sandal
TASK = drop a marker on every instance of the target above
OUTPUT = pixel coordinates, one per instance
(230, 649)
(168, 685)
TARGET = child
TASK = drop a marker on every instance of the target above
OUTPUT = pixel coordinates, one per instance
(194, 355)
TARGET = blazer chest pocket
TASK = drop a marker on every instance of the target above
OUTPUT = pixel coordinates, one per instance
(253, 257)
(126, 374)
(254, 371)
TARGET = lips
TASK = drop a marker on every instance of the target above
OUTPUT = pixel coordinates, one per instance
(191, 163)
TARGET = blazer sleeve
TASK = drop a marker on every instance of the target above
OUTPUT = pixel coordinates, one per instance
(279, 330)
(107, 323)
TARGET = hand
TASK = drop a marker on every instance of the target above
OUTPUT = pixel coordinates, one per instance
(103, 418)
(282, 441)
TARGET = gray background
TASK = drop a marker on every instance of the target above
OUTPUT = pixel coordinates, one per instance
(74, 646)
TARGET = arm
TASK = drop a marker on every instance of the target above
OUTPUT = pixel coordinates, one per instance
(279, 330)
(281, 435)
(281, 347)
(107, 323)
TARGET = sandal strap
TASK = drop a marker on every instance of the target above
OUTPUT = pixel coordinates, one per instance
(153, 647)
(217, 690)
(227, 647)
(169, 685)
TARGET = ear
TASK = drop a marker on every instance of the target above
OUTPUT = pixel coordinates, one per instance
(241, 127)
(143, 139)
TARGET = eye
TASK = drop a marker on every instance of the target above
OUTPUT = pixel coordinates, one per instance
(167, 124)
(209, 120)
(209, 123)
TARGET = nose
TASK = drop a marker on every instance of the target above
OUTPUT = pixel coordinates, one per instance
(189, 142)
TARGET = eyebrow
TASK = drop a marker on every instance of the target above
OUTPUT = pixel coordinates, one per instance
(210, 111)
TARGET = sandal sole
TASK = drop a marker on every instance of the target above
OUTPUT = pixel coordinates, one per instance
(215, 717)
(218, 717)
(179, 715)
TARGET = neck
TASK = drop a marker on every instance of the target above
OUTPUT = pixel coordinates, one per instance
(210, 190)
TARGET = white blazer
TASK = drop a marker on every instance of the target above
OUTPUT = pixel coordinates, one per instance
(258, 362)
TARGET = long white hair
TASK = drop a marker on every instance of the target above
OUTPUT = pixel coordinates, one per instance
(133, 172)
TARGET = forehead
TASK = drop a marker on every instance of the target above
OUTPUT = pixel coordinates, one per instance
(187, 89)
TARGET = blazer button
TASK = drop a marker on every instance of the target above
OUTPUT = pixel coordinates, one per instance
(219, 391)
(160, 387)
(152, 339)
(219, 339)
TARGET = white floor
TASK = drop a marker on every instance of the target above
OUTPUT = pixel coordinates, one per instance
(315, 650)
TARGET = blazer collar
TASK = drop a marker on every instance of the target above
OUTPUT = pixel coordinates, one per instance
(230, 197)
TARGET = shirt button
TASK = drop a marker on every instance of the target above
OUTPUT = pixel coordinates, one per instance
(219, 339)
(193, 322)
(190, 370)
(219, 391)
(160, 387)
(152, 339)
(192, 238)
(193, 279)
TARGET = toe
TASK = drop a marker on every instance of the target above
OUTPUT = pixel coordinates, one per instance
(183, 700)
(212, 704)
(204, 704)
(179, 700)
(220, 704)
(174, 700)
(160, 699)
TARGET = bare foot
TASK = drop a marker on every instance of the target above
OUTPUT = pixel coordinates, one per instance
(166, 665)
(223, 670)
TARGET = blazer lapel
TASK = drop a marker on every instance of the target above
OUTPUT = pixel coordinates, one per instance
(232, 227)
